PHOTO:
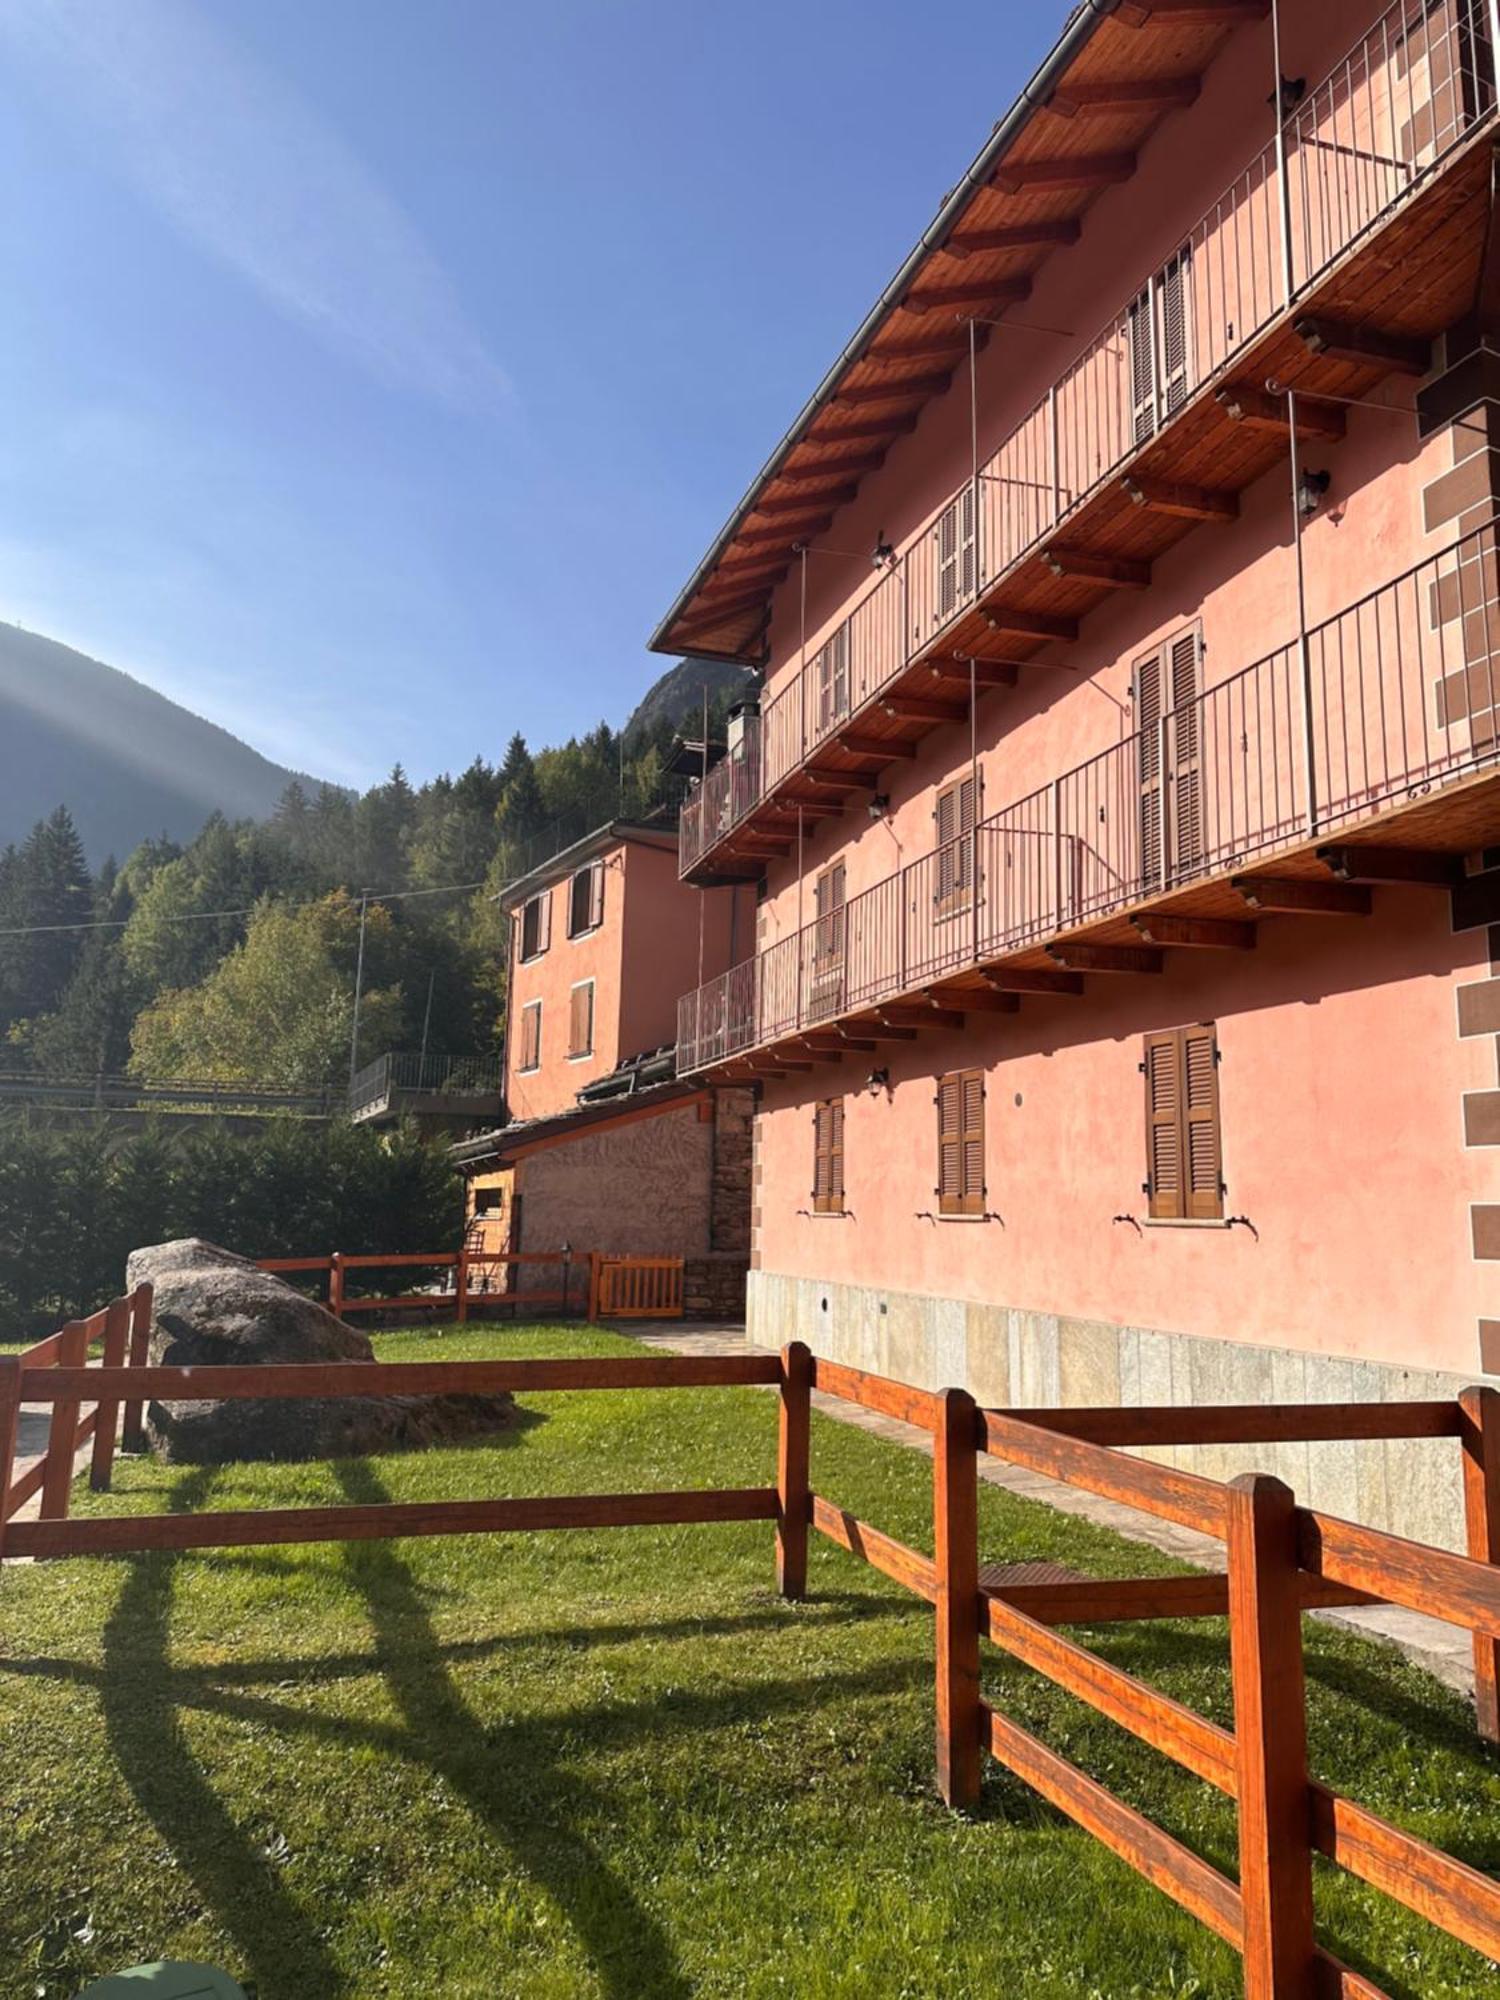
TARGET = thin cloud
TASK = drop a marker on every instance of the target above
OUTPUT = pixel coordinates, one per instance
(239, 163)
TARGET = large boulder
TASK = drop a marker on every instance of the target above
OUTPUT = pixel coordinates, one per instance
(212, 1308)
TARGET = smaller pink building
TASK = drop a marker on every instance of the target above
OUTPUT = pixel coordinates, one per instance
(604, 1149)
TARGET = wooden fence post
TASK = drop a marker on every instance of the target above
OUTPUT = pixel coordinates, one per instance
(1270, 1727)
(1481, 1440)
(62, 1431)
(107, 1416)
(593, 1286)
(461, 1287)
(793, 1494)
(336, 1284)
(10, 1421)
(132, 1427)
(955, 1518)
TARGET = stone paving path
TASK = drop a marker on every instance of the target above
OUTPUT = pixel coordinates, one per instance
(1444, 1650)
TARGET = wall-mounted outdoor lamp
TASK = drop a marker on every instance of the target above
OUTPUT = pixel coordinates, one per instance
(878, 1080)
(1312, 490)
(883, 555)
(879, 806)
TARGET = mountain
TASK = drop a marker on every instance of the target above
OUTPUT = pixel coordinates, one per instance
(126, 762)
(678, 695)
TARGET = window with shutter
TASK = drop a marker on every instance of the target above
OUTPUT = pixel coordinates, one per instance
(955, 555)
(954, 812)
(1175, 371)
(531, 1035)
(1183, 1143)
(1141, 348)
(1166, 686)
(960, 1109)
(536, 925)
(832, 678)
(581, 1019)
(586, 899)
(828, 1156)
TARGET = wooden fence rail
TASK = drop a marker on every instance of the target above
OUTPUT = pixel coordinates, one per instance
(1281, 1560)
(607, 1287)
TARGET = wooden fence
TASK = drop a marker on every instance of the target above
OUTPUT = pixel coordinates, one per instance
(608, 1287)
(1282, 1559)
(121, 1330)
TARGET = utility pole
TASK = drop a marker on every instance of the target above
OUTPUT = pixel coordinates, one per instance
(427, 1012)
(359, 987)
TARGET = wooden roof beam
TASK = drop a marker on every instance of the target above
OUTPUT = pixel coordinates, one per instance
(923, 346)
(914, 1014)
(1200, 933)
(839, 781)
(1030, 624)
(804, 503)
(1189, 503)
(1296, 898)
(864, 427)
(1340, 341)
(1017, 236)
(1200, 13)
(834, 468)
(788, 533)
(1393, 864)
(986, 673)
(892, 392)
(993, 294)
(1095, 170)
(1259, 412)
(969, 1000)
(880, 1030)
(705, 622)
(875, 746)
(1114, 572)
(1027, 979)
(1105, 957)
(922, 708)
(1144, 93)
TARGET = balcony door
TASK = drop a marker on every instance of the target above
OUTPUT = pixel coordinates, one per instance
(831, 682)
(1167, 690)
(955, 555)
(1160, 347)
(827, 986)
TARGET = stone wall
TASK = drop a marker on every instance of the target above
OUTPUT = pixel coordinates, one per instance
(729, 1201)
(1009, 1357)
(713, 1287)
(636, 1189)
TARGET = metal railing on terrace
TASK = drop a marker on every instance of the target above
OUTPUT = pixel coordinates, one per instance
(405, 1072)
(1410, 91)
(1388, 701)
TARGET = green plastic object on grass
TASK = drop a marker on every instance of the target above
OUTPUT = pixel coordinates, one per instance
(166, 1980)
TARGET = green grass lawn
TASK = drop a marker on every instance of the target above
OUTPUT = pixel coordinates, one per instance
(616, 1764)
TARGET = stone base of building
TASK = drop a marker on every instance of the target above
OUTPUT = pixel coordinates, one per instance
(1009, 1357)
(713, 1287)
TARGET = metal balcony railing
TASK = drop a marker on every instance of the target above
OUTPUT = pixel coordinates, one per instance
(1409, 91)
(1385, 703)
(407, 1073)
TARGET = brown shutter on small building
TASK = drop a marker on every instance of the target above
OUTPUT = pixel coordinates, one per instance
(543, 920)
(828, 1156)
(1183, 1148)
(581, 1020)
(531, 1034)
(960, 1109)
(596, 894)
(955, 814)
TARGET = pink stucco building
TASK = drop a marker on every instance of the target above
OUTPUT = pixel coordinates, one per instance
(1126, 824)
(605, 1147)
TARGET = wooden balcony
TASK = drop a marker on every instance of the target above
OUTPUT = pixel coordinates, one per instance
(1327, 288)
(1371, 754)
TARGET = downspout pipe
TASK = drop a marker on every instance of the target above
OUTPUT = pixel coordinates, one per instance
(1034, 96)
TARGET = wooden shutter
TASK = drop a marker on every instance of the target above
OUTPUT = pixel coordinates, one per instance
(1186, 796)
(581, 1019)
(531, 1034)
(833, 680)
(1183, 1147)
(1141, 346)
(828, 905)
(543, 920)
(828, 1157)
(960, 1109)
(1172, 322)
(955, 554)
(596, 894)
(954, 814)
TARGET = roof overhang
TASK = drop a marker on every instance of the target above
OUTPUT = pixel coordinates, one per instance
(510, 1143)
(568, 860)
(1117, 69)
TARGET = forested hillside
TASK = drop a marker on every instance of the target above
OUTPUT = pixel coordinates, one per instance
(231, 958)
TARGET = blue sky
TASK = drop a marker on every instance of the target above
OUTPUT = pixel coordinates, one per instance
(377, 370)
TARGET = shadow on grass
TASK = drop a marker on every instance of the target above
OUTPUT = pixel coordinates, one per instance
(512, 1779)
(171, 1787)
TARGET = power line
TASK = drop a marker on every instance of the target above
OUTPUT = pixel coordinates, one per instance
(212, 916)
